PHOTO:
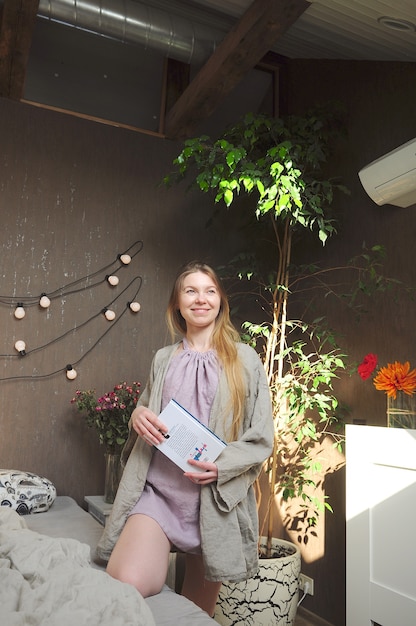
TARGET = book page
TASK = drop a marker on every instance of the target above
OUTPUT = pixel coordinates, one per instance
(187, 438)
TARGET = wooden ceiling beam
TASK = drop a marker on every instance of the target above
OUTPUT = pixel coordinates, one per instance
(18, 19)
(241, 49)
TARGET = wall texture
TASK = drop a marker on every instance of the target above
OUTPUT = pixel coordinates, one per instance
(380, 115)
(74, 194)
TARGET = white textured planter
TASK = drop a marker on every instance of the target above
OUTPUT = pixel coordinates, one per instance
(268, 599)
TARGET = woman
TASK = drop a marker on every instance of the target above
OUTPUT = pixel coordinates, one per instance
(211, 516)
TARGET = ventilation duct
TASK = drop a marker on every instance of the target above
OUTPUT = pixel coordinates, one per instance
(133, 22)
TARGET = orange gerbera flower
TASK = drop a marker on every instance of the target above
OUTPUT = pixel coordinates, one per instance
(396, 377)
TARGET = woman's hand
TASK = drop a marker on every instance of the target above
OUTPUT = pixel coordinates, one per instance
(148, 426)
(209, 475)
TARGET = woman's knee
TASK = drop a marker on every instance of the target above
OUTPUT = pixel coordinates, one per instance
(141, 556)
(146, 584)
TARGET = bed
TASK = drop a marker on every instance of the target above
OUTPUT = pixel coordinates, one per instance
(49, 576)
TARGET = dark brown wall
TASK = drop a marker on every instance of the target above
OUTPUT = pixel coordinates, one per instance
(74, 193)
(380, 114)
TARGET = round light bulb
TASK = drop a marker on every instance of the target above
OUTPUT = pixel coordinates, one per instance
(125, 258)
(135, 306)
(71, 374)
(19, 312)
(44, 301)
(20, 347)
(109, 315)
(113, 280)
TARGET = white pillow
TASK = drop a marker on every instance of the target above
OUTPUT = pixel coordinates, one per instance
(25, 492)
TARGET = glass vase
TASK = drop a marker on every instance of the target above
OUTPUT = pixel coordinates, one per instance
(112, 476)
(401, 411)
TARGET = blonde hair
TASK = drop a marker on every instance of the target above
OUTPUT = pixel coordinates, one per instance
(224, 338)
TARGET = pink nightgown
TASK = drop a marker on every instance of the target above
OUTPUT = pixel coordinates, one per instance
(169, 497)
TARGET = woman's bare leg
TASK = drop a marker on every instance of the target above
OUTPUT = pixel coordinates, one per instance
(141, 555)
(202, 592)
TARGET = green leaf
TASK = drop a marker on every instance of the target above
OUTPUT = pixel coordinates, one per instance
(228, 197)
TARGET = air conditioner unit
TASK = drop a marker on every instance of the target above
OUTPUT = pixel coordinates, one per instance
(391, 179)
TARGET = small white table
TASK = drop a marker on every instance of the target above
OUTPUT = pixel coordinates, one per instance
(99, 509)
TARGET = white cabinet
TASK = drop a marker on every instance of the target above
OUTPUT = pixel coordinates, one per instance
(381, 526)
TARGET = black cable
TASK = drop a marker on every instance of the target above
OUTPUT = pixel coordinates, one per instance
(50, 374)
(64, 290)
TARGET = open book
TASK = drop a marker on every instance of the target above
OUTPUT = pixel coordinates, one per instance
(187, 438)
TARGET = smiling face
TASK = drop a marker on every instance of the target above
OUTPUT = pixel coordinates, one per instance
(199, 300)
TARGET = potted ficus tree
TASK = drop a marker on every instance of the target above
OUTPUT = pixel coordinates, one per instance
(278, 165)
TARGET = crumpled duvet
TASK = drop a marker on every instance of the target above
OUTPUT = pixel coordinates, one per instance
(46, 581)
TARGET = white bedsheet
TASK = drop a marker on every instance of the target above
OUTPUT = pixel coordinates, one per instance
(48, 581)
(67, 519)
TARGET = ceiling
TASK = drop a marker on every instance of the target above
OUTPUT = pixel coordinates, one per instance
(343, 29)
(111, 65)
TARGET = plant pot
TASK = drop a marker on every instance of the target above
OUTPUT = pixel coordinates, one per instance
(112, 476)
(270, 598)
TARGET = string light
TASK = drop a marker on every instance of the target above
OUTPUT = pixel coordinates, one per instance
(71, 373)
(134, 306)
(20, 347)
(125, 258)
(69, 288)
(88, 321)
(113, 280)
(44, 301)
(86, 352)
(109, 314)
(19, 312)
